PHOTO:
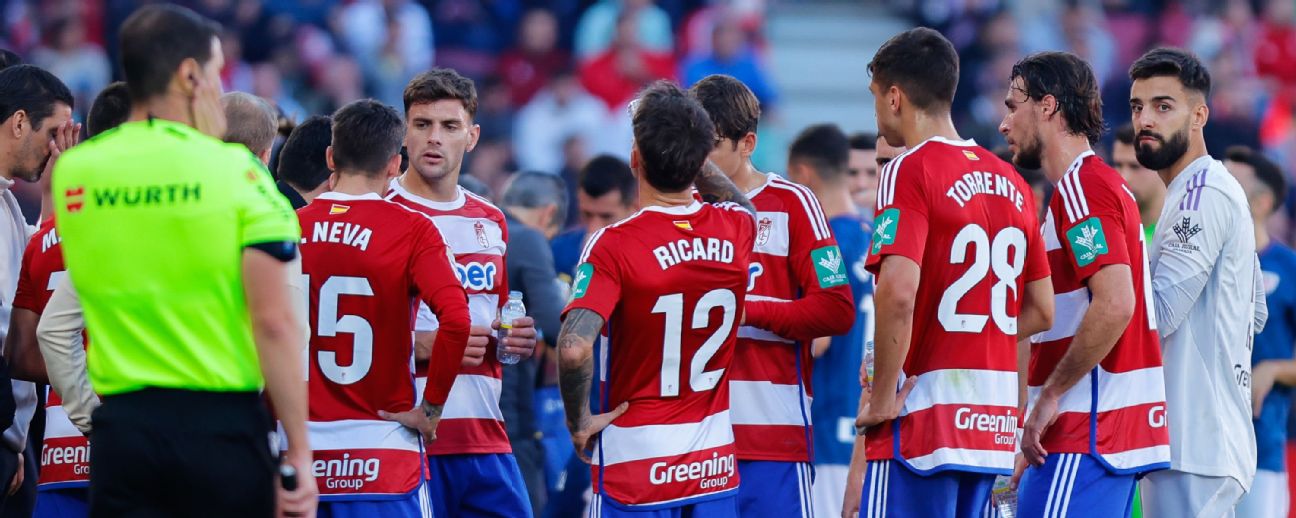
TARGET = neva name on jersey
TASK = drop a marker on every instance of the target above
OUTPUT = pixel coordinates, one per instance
(340, 232)
(981, 182)
(696, 249)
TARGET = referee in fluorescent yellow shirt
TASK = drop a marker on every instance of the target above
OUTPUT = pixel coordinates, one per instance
(178, 245)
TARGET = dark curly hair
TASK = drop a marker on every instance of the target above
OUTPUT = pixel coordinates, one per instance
(1071, 82)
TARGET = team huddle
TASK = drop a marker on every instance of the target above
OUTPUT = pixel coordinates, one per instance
(1083, 356)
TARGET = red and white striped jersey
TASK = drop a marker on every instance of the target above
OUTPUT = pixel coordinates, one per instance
(365, 260)
(1093, 221)
(669, 283)
(475, 232)
(65, 453)
(969, 221)
(794, 257)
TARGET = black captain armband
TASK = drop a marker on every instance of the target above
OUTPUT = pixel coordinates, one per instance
(282, 250)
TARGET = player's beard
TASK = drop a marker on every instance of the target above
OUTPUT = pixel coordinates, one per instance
(1030, 153)
(29, 154)
(1162, 158)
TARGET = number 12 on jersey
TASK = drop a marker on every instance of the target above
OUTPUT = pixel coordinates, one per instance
(672, 306)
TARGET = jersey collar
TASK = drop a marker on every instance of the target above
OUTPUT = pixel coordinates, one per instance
(1199, 165)
(434, 205)
(341, 196)
(5, 183)
(678, 210)
(769, 177)
(951, 142)
(1075, 164)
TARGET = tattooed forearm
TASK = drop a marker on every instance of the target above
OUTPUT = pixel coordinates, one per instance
(716, 187)
(432, 411)
(576, 363)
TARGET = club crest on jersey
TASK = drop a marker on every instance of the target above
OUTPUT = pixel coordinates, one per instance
(480, 229)
(884, 232)
(829, 266)
(580, 284)
(1087, 241)
(74, 198)
(763, 231)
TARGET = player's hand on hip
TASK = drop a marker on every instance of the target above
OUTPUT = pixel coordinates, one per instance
(1262, 382)
(1019, 467)
(479, 339)
(521, 339)
(16, 483)
(881, 406)
(301, 502)
(1042, 415)
(583, 438)
(418, 418)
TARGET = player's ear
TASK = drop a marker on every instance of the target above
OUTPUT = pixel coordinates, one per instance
(265, 156)
(328, 160)
(1201, 114)
(16, 123)
(895, 98)
(474, 133)
(747, 145)
(393, 166)
(186, 76)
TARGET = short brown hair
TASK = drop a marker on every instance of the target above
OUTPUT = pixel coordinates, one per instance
(250, 121)
(440, 84)
(732, 106)
(923, 64)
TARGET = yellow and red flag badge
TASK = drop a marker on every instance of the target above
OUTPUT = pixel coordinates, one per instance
(683, 224)
(338, 209)
(970, 155)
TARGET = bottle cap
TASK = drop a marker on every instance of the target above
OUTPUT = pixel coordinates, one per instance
(515, 294)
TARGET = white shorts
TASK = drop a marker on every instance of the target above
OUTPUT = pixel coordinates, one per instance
(1268, 496)
(830, 488)
(1176, 494)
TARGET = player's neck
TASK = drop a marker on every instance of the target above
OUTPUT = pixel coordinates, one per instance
(444, 189)
(1196, 150)
(1059, 156)
(924, 126)
(359, 184)
(650, 197)
(748, 178)
(836, 201)
(162, 107)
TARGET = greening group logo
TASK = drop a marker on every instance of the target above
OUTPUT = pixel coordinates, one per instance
(830, 269)
(580, 283)
(1087, 241)
(884, 230)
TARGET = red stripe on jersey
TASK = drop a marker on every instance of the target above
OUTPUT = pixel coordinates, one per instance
(756, 369)
(470, 436)
(1124, 429)
(772, 438)
(940, 429)
(674, 479)
(377, 472)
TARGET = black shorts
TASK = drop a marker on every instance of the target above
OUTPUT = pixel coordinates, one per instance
(162, 452)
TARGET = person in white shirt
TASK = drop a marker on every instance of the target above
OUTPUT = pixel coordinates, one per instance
(36, 109)
(1207, 298)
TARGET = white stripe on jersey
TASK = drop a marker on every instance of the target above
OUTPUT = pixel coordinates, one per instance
(756, 333)
(589, 245)
(459, 236)
(1116, 391)
(1069, 310)
(469, 396)
(952, 386)
(350, 434)
(662, 440)
(765, 403)
(809, 204)
(58, 424)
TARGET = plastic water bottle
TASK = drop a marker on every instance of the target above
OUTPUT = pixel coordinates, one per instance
(512, 310)
(1004, 497)
(868, 361)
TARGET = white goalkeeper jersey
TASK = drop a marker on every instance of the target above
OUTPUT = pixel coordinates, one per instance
(1209, 305)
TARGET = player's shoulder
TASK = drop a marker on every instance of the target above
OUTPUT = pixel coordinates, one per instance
(1211, 188)
(1088, 178)
(482, 207)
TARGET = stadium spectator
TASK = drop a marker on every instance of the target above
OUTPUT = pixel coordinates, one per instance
(249, 121)
(302, 169)
(267, 83)
(1273, 371)
(617, 74)
(188, 390)
(607, 195)
(732, 54)
(561, 111)
(599, 27)
(1149, 191)
(81, 65)
(533, 206)
(528, 67)
(863, 167)
(37, 111)
(367, 26)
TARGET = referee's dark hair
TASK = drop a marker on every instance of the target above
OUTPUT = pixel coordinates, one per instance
(110, 108)
(366, 135)
(863, 141)
(33, 91)
(672, 136)
(825, 149)
(1172, 62)
(606, 173)
(1071, 83)
(155, 40)
(1267, 172)
(922, 63)
(301, 160)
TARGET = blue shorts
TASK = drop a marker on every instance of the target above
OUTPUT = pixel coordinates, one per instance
(775, 489)
(482, 485)
(70, 502)
(891, 489)
(721, 507)
(415, 504)
(1074, 484)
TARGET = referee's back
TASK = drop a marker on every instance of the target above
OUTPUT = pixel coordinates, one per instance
(155, 216)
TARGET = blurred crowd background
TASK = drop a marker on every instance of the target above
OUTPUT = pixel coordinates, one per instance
(554, 76)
